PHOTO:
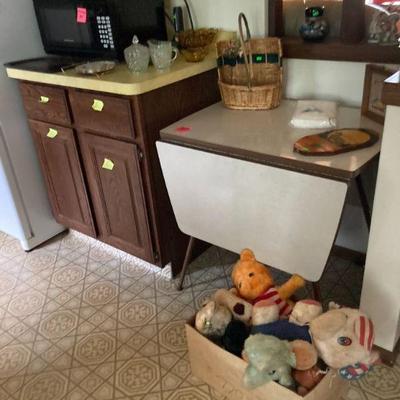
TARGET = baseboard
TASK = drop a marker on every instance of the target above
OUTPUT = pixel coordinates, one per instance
(389, 357)
(349, 254)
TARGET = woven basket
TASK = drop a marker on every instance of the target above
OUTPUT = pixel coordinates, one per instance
(251, 86)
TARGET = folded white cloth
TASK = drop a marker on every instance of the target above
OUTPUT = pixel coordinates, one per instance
(314, 114)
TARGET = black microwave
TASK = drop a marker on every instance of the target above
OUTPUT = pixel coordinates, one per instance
(98, 28)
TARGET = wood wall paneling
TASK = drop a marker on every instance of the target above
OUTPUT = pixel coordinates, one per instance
(352, 46)
(353, 21)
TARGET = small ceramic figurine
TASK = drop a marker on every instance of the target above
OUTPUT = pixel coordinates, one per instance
(384, 28)
(315, 27)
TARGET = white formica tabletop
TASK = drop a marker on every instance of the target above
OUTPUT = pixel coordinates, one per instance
(266, 137)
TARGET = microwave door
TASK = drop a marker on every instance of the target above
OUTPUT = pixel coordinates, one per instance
(64, 33)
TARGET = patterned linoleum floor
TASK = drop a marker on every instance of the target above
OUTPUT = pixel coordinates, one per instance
(80, 321)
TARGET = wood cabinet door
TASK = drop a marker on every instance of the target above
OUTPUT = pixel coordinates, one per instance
(62, 170)
(113, 170)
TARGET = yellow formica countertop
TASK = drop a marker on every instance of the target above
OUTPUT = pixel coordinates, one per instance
(120, 80)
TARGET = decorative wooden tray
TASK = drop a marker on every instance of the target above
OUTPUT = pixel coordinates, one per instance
(335, 142)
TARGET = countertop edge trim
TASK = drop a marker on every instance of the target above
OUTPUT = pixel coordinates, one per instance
(126, 89)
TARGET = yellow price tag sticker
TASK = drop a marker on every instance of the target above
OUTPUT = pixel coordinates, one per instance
(52, 133)
(44, 99)
(108, 164)
(98, 105)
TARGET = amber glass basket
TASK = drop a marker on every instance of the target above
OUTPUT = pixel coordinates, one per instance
(195, 44)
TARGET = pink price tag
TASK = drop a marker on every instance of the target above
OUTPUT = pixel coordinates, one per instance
(183, 129)
(81, 15)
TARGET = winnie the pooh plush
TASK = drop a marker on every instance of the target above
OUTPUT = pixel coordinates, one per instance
(255, 284)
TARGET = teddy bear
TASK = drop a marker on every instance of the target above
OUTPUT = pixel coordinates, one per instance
(255, 284)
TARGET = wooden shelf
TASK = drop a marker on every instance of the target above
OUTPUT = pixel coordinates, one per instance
(334, 49)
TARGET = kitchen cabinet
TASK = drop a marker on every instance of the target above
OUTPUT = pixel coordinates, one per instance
(102, 171)
(45, 103)
(59, 159)
(103, 114)
(113, 171)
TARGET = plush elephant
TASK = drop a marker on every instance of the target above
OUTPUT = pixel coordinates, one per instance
(270, 359)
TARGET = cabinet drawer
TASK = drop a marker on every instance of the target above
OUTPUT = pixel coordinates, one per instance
(63, 175)
(45, 103)
(103, 114)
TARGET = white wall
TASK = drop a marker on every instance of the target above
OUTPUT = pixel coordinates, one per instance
(332, 80)
(381, 295)
(224, 13)
(339, 81)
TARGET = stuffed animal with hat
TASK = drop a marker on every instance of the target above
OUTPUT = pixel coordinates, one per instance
(344, 338)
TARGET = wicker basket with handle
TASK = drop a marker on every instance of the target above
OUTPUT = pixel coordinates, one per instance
(250, 85)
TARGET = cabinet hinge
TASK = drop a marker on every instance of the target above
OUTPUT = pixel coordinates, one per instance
(156, 256)
(140, 154)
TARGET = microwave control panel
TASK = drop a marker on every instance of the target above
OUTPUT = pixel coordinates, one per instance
(105, 31)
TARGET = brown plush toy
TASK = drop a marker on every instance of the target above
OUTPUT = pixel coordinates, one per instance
(306, 374)
(307, 380)
(256, 285)
(306, 354)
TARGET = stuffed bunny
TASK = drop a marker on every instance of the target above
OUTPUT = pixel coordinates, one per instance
(344, 339)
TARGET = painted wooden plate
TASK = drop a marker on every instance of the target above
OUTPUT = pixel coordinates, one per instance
(335, 142)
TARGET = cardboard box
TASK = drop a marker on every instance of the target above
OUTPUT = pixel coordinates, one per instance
(224, 372)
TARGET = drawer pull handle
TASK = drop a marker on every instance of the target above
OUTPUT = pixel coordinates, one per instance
(44, 99)
(97, 105)
(52, 133)
(108, 164)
